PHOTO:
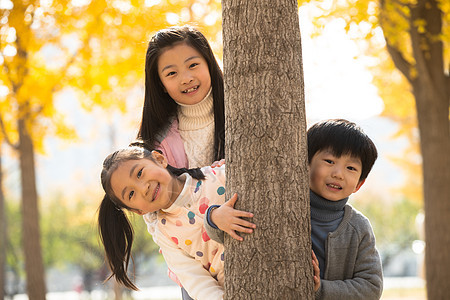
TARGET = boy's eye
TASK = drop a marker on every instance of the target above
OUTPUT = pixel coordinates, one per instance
(130, 195)
(139, 174)
(351, 168)
(328, 161)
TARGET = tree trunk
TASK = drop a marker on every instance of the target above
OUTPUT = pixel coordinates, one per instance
(2, 232)
(432, 111)
(432, 96)
(30, 217)
(435, 147)
(266, 150)
(430, 86)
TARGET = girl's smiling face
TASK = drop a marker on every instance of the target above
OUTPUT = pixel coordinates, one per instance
(334, 178)
(184, 73)
(144, 185)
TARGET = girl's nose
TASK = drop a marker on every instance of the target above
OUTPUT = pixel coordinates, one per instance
(144, 188)
(187, 78)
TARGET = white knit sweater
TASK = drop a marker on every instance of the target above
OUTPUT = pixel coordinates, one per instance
(196, 127)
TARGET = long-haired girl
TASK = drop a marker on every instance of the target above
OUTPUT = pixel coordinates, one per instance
(183, 113)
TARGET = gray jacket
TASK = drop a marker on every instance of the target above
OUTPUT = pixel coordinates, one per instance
(353, 265)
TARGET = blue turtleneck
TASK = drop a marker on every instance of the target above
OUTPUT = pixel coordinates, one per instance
(326, 216)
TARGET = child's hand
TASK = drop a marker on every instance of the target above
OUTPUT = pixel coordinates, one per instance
(218, 163)
(315, 262)
(229, 219)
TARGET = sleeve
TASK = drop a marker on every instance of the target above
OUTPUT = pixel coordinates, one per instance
(367, 280)
(197, 281)
(211, 229)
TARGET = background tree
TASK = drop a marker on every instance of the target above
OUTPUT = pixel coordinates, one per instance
(266, 150)
(417, 38)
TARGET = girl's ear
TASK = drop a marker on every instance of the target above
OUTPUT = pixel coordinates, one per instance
(159, 158)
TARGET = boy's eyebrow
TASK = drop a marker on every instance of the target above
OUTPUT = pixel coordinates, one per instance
(131, 174)
(356, 160)
(186, 60)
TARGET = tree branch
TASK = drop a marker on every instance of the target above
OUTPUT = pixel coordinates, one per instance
(6, 136)
(399, 61)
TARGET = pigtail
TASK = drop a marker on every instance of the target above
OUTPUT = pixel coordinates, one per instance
(195, 173)
(116, 234)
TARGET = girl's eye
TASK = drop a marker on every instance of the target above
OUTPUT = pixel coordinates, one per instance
(139, 174)
(171, 73)
(130, 195)
(193, 65)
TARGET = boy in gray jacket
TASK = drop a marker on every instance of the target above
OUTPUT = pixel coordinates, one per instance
(340, 156)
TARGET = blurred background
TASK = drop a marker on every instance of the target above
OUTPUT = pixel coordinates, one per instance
(79, 66)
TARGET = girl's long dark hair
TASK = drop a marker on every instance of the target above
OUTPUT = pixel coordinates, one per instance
(116, 232)
(159, 108)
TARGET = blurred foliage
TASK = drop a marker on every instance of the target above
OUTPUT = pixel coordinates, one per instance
(373, 23)
(393, 221)
(96, 48)
(70, 237)
(14, 255)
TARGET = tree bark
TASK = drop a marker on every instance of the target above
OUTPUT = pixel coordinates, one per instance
(30, 217)
(432, 102)
(266, 150)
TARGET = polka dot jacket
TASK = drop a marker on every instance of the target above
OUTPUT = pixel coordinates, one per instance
(196, 260)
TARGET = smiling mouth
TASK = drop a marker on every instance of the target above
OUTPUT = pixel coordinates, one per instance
(155, 194)
(334, 186)
(192, 89)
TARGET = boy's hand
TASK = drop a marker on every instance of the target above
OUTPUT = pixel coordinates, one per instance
(218, 163)
(229, 219)
(316, 269)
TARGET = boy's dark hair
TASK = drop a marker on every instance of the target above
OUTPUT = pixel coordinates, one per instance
(116, 232)
(342, 137)
(159, 108)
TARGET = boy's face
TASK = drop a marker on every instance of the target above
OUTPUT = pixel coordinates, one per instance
(334, 178)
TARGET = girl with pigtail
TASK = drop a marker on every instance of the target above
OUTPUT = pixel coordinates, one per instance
(173, 202)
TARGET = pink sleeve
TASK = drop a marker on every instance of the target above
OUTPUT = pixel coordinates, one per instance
(173, 148)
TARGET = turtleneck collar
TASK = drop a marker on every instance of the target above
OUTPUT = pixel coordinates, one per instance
(196, 116)
(326, 210)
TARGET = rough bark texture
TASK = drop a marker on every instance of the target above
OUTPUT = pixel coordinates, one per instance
(431, 89)
(266, 150)
(30, 217)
